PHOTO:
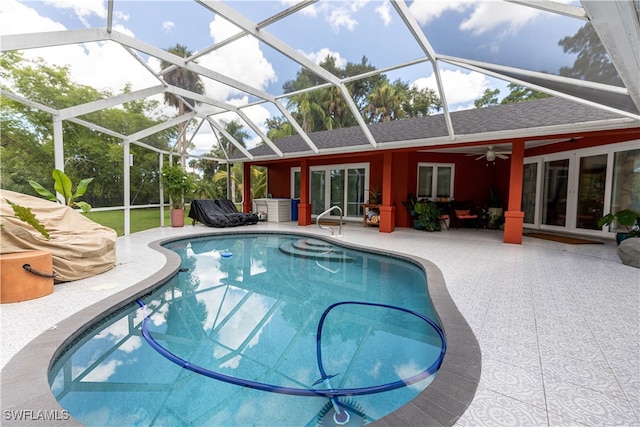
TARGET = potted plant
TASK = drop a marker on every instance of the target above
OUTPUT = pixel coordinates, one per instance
(495, 208)
(428, 216)
(628, 218)
(178, 184)
(375, 196)
(410, 204)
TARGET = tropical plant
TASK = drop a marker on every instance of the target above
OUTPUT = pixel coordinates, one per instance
(64, 186)
(385, 104)
(177, 183)
(24, 214)
(626, 217)
(428, 215)
(375, 195)
(410, 204)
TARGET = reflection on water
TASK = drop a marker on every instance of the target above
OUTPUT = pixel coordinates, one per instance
(252, 315)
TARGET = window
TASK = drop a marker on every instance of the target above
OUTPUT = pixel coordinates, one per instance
(435, 181)
(295, 183)
(625, 193)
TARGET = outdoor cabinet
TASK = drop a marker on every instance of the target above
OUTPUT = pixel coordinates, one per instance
(277, 210)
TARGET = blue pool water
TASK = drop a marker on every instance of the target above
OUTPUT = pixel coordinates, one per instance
(248, 306)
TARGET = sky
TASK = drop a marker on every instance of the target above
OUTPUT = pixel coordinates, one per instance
(490, 30)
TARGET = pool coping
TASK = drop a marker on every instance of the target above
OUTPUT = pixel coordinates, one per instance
(24, 379)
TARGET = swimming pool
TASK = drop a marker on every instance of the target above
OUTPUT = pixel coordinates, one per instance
(249, 306)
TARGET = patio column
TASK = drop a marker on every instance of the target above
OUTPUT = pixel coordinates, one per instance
(247, 205)
(514, 217)
(387, 210)
(304, 207)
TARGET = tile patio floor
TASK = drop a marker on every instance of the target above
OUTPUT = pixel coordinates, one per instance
(558, 324)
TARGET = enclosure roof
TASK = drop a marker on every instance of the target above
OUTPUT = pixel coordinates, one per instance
(436, 42)
(533, 121)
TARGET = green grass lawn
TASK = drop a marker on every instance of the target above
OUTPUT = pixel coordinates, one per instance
(141, 219)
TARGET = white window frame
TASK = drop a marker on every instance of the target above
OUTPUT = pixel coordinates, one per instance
(434, 184)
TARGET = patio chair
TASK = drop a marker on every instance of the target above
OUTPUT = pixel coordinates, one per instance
(463, 212)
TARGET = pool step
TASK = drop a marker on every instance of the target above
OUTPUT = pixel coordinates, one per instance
(314, 249)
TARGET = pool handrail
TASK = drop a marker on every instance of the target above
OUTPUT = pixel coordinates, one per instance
(326, 227)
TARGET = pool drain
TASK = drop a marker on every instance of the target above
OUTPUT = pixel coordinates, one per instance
(328, 417)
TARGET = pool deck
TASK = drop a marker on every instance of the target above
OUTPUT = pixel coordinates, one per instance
(558, 324)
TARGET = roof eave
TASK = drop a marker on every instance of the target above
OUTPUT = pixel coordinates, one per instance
(461, 139)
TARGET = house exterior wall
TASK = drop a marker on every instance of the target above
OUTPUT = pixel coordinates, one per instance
(472, 178)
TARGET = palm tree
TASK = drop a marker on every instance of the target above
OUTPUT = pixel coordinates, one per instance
(309, 114)
(184, 79)
(385, 104)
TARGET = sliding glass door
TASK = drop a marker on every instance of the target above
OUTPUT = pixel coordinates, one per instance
(572, 191)
(318, 191)
(339, 185)
(556, 191)
(591, 191)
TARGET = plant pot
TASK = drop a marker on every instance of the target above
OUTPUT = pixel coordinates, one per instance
(177, 217)
(495, 212)
(17, 284)
(620, 237)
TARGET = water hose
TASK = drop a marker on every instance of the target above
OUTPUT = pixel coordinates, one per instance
(329, 392)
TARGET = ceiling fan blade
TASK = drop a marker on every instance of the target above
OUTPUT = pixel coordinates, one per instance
(503, 152)
(502, 156)
(479, 157)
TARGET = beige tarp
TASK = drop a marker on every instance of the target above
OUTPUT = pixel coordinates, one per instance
(80, 247)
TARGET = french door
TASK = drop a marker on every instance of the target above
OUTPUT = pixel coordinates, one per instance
(572, 191)
(339, 185)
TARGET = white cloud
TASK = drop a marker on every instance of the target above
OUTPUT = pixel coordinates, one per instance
(459, 87)
(107, 65)
(321, 55)
(487, 16)
(341, 17)
(82, 8)
(97, 64)
(484, 15)
(407, 370)
(427, 11)
(241, 325)
(13, 15)
(242, 60)
(102, 372)
(384, 11)
(310, 10)
(121, 16)
(168, 26)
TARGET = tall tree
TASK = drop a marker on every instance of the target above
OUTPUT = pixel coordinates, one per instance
(27, 136)
(385, 104)
(278, 127)
(326, 108)
(420, 102)
(592, 62)
(182, 78)
(521, 93)
(489, 97)
(231, 171)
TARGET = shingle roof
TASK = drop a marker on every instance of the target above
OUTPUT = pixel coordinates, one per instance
(524, 115)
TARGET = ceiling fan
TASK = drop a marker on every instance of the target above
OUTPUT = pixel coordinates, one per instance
(492, 154)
